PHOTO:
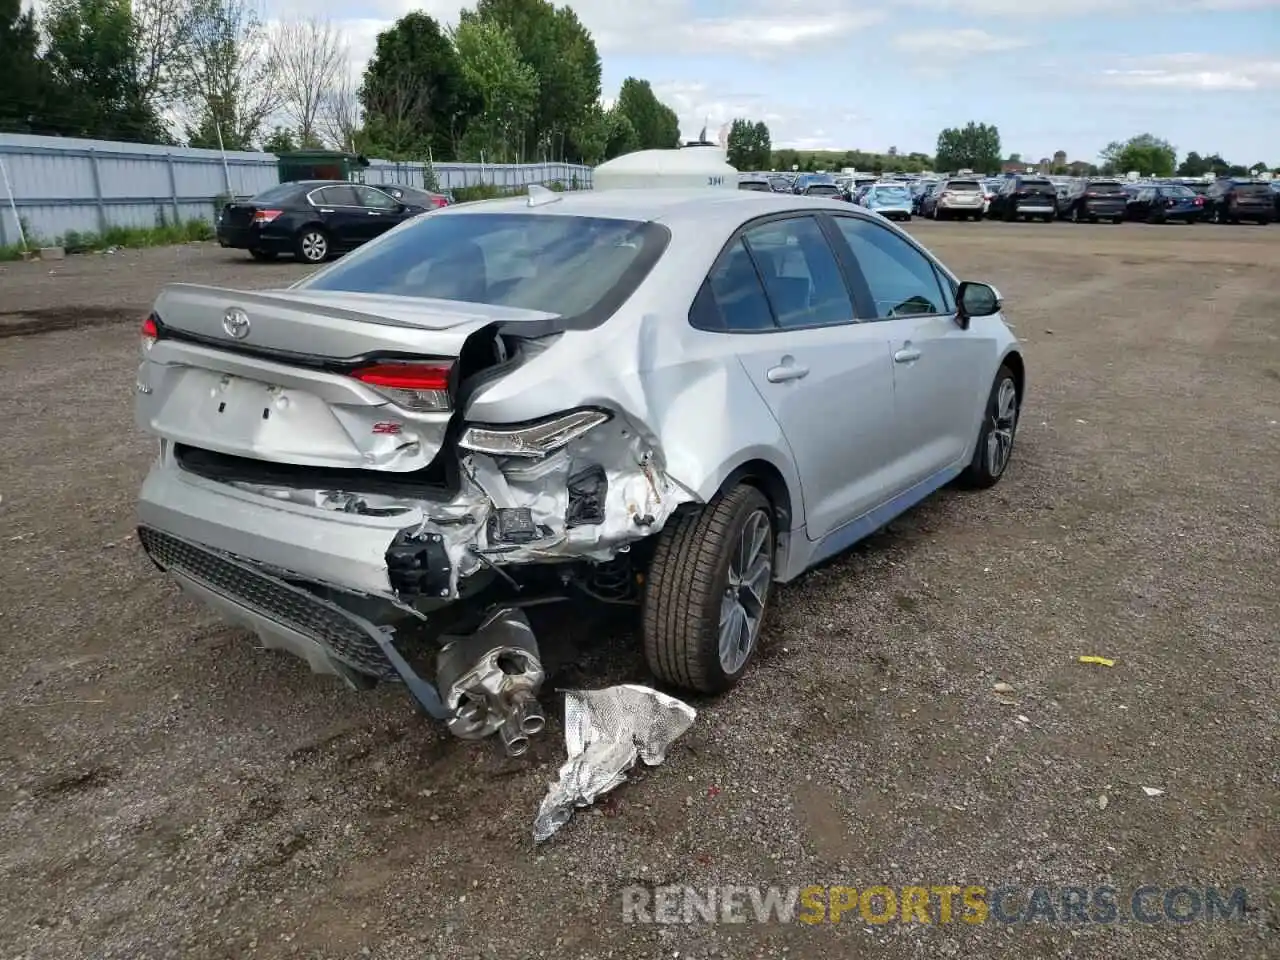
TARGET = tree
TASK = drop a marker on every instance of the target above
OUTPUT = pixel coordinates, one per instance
(340, 120)
(280, 141)
(309, 56)
(416, 102)
(602, 135)
(26, 77)
(1145, 153)
(554, 43)
(93, 62)
(233, 86)
(162, 31)
(976, 146)
(656, 125)
(1194, 165)
(504, 86)
(749, 147)
(1258, 168)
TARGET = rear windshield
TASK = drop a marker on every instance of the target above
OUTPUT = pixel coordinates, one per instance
(891, 193)
(826, 189)
(1252, 189)
(283, 191)
(1037, 184)
(558, 264)
(963, 185)
(1179, 192)
(759, 185)
(1106, 188)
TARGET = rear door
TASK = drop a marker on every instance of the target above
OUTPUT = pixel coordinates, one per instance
(941, 373)
(778, 292)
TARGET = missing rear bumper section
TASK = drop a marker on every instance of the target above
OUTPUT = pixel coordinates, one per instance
(490, 678)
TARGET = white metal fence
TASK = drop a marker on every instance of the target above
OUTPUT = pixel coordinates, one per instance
(58, 185)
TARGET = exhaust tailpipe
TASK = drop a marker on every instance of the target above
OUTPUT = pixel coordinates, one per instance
(523, 719)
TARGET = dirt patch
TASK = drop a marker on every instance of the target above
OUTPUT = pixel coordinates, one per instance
(171, 791)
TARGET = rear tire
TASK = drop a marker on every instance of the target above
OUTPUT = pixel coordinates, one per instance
(994, 449)
(704, 580)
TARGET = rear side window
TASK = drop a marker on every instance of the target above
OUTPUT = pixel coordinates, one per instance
(551, 263)
(731, 297)
(336, 197)
(801, 275)
(902, 280)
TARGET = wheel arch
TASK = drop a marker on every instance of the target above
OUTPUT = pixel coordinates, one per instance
(1013, 360)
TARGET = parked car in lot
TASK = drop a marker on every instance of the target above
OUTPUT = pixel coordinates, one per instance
(494, 405)
(1025, 196)
(816, 185)
(891, 200)
(1231, 201)
(1094, 200)
(1162, 202)
(919, 196)
(310, 219)
(427, 199)
(958, 198)
(757, 184)
(780, 184)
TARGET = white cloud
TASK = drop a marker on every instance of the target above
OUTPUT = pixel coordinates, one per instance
(995, 9)
(955, 44)
(1195, 71)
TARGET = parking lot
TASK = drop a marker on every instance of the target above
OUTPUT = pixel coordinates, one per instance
(169, 791)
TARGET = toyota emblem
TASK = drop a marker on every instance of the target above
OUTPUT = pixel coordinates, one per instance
(236, 322)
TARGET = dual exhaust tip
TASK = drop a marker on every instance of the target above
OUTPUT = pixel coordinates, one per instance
(524, 720)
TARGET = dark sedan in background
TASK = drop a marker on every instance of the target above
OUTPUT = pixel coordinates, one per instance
(310, 219)
(1165, 202)
(1094, 200)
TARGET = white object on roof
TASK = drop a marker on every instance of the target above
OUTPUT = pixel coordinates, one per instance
(685, 167)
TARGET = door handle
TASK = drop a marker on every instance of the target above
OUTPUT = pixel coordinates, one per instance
(906, 355)
(325, 210)
(786, 372)
(374, 213)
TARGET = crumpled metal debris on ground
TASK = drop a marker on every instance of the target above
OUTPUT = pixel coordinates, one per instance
(605, 732)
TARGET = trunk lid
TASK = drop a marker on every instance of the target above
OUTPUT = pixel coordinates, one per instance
(285, 376)
(238, 215)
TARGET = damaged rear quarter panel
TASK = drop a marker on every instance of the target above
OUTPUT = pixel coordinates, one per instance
(675, 399)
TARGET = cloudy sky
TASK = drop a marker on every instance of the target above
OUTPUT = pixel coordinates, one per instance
(871, 74)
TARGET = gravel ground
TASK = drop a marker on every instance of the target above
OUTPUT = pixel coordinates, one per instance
(167, 790)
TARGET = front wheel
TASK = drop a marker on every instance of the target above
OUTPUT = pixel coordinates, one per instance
(995, 439)
(707, 591)
(312, 245)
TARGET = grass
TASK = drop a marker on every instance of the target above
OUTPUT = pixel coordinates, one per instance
(161, 235)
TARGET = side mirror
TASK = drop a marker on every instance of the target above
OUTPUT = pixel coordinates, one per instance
(976, 300)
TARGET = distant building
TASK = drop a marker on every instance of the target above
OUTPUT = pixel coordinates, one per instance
(1060, 158)
(1079, 168)
(1016, 166)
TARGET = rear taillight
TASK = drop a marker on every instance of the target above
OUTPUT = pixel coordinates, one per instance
(439, 202)
(150, 333)
(1199, 201)
(1171, 201)
(265, 216)
(423, 387)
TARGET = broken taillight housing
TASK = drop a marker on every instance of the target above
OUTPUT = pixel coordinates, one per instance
(265, 216)
(150, 333)
(535, 439)
(422, 387)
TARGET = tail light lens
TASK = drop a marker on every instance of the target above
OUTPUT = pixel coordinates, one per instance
(537, 439)
(1199, 201)
(439, 201)
(421, 387)
(150, 333)
(1170, 201)
(265, 216)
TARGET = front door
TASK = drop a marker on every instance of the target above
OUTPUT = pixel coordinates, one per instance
(938, 367)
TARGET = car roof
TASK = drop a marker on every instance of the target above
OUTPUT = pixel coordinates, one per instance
(669, 205)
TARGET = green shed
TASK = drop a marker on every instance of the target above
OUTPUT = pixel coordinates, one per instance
(320, 165)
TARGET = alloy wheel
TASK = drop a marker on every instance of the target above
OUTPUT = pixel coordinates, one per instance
(747, 591)
(315, 247)
(1004, 421)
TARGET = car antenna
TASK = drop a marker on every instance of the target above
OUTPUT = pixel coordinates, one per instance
(538, 195)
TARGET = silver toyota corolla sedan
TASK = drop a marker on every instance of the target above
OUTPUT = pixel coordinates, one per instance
(671, 399)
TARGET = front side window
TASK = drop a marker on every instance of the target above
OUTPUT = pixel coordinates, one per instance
(564, 265)
(369, 197)
(902, 281)
(801, 275)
